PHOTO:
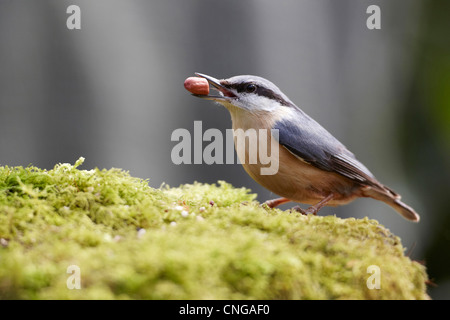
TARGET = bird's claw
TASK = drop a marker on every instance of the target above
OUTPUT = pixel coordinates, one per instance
(310, 210)
(264, 205)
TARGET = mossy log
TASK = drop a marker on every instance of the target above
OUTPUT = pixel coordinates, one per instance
(197, 241)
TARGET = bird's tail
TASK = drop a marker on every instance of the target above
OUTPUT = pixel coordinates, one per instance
(392, 199)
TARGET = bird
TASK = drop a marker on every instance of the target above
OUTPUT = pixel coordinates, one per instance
(315, 168)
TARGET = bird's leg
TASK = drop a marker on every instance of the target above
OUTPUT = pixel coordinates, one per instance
(315, 208)
(276, 202)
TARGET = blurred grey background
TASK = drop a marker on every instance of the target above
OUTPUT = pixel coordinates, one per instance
(113, 91)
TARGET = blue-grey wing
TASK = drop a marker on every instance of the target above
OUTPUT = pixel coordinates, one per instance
(309, 141)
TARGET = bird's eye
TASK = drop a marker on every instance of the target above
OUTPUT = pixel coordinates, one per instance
(250, 88)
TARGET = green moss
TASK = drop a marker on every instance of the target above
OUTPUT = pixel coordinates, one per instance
(131, 241)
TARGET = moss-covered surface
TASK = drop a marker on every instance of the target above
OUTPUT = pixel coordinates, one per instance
(193, 242)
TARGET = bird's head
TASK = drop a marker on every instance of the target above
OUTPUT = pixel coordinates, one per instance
(246, 92)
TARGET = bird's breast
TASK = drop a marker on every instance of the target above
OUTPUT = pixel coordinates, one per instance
(293, 178)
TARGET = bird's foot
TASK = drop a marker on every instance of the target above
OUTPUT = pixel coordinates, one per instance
(315, 208)
(274, 203)
(310, 210)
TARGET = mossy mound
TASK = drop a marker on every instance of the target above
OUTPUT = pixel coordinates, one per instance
(193, 242)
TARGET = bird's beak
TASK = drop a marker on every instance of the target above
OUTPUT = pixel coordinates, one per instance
(224, 93)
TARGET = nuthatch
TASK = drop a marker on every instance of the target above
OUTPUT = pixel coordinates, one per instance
(314, 167)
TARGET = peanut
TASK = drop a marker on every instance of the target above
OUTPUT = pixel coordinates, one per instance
(197, 85)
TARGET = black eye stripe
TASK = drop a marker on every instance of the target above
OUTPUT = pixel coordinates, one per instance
(260, 90)
(242, 87)
(264, 92)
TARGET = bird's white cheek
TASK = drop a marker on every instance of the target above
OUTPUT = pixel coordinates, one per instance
(259, 104)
